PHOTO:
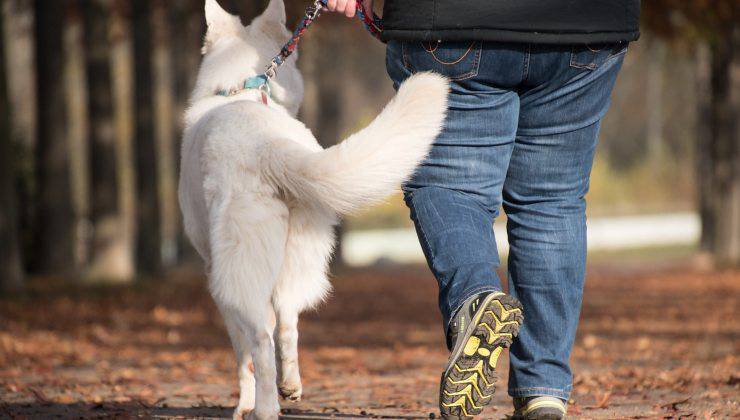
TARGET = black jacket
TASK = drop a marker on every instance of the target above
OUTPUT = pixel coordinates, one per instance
(529, 21)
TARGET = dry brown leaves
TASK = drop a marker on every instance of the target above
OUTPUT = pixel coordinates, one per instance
(650, 345)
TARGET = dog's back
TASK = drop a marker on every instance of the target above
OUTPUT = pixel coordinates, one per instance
(223, 154)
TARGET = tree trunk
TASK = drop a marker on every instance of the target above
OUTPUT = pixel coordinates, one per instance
(188, 31)
(654, 95)
(724, 151)
(703, 147)
(11, 275)
(164, 132)
(148, 243)
(77, 131)
(111, 252)
(122, 67)
(21, 89)
(731, 244)
(54, 217)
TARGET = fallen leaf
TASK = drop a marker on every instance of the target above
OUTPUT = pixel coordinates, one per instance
(673, 406)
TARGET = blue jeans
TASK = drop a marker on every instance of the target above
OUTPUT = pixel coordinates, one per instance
(521, 133)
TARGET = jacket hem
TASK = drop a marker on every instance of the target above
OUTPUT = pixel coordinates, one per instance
(500, 35)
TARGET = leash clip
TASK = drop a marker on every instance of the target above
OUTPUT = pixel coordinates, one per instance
(271, 69)
(313, 11)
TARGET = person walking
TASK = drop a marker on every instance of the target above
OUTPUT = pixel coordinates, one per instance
(530, 83)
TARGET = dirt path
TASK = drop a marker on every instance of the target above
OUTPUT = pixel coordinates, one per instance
(650, 345)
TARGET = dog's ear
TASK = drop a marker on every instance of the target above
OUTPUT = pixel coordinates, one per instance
(272, 21)
(220, 23)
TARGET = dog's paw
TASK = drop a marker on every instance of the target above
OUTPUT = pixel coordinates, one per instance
(239, 413)
(291, 392)
(253, 415)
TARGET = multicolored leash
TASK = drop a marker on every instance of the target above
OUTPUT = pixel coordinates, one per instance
(371, 21)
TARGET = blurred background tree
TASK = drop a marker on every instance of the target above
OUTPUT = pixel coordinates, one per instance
(11, 274)
(53, 229)
(710, 28)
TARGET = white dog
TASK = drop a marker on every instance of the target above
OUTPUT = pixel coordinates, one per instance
(259, 196)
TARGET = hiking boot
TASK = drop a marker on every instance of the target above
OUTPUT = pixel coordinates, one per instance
(539, 408)
(485, 325)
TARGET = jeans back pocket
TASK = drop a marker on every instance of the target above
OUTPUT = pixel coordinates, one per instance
(592, 56)
(458, 60)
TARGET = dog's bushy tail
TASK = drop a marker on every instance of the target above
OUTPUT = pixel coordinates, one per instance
(370, 164)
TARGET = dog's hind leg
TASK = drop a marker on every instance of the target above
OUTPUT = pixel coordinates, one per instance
(248, 245)
(245, 367)
(286, 344)
(259, 328)
(302, 283)
(258, 394)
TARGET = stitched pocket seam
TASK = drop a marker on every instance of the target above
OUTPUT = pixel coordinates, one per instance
(474, 67)
(575, 64)
(405, 59)
(592, 66)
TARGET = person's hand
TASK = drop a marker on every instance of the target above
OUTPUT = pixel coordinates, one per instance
(348, 7)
